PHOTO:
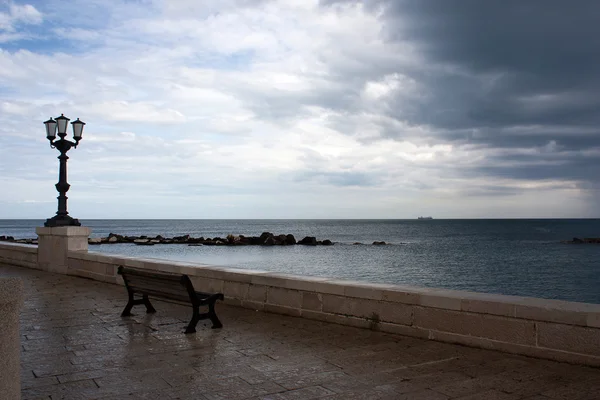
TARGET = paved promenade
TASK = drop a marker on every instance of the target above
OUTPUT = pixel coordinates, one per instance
(76, 346)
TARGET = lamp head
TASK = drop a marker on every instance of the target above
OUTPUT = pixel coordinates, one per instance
(77, 129)
(50, 129)
(62, 123)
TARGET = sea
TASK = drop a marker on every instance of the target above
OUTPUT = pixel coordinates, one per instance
(523, 257)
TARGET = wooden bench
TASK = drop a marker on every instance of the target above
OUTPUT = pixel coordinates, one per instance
(169, 287)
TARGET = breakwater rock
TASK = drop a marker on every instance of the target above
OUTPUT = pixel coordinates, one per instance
(4, 238)
(582, 241)
(265, 239)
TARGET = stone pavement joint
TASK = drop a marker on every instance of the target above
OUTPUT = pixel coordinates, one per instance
(75, 345)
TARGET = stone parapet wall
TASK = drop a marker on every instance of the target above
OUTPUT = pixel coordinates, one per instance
(552, 329)
(23, 255)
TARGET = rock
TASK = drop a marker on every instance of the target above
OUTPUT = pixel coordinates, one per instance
(309, 240)
(263, 237)
(195, 244)
(581, 241)
(379, 243)
(141, 241)
(356, 243)
(254, 240)
(269, 241)
(327, 242)
(95, 241)
(290, 239)
(181, 239)
(112, 239)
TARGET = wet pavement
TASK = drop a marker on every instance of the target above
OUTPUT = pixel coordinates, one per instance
(75, 345)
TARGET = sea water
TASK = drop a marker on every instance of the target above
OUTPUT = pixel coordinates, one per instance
(513, 257)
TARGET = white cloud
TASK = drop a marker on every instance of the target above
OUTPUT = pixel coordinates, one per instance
(19, 14)
(275, 108)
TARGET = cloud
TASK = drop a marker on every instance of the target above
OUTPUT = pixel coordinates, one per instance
(396, 107)
(15, 14)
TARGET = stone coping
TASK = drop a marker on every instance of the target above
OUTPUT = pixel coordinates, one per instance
(63, 231)
(528, 308)
(28, 248)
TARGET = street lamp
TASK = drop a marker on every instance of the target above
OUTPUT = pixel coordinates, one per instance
(62, 217)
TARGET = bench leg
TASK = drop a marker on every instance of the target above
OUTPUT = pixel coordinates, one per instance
(149, 308)
(191, 328)
(127, 311)
(213, 316)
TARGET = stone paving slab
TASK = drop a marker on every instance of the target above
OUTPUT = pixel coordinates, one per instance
(75, 345)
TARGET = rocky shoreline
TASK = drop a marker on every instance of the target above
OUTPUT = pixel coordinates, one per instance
(265, 239)
(582, 241)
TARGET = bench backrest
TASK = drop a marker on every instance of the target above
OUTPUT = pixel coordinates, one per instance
(171, 286)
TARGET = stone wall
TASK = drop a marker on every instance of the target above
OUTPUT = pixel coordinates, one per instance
(23, 255)
(552, 329)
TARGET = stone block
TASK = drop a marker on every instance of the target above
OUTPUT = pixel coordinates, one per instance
(361, 308)
(54, 245)
(398, 294)
(207, 285)
(445, 299)
(233, 275)
(235, 290)
(479, 325)
(575, 339)
(312, 301)
(485, 305)
(75, 263)
(549, 314)
(363, 291)
(335, 304)
(110, 270)
(306, 283)
(257, 293)
(593, 320)
(396, 313)
(284, 297)
(268, 279)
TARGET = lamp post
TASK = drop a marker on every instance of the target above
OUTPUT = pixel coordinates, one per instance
(62, 217)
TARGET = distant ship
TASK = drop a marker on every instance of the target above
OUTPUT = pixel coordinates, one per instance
(425, 218)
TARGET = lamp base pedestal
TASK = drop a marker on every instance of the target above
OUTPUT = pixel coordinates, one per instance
(55, 243)
(61, 220)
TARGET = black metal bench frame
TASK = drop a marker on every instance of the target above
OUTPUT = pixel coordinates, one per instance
(168, 286)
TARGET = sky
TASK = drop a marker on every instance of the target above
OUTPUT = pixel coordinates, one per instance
(303, 108)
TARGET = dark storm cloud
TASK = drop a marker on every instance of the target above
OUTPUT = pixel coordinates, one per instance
(504, 74)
